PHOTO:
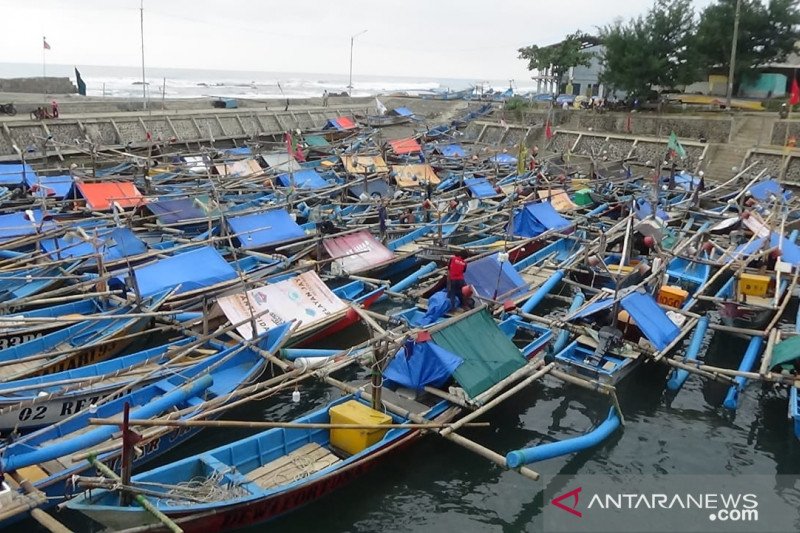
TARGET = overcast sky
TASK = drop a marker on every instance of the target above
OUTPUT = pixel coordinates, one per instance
(473, 39)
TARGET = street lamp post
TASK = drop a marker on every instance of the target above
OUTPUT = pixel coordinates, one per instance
(350, 84)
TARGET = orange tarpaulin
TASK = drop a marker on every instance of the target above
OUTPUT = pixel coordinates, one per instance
(559, 199)
(405, 146)
(361, 164)
(346, 123)
(412, 175)
(99, 196)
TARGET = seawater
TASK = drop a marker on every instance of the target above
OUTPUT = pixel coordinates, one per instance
(114, 81)
(436, 485)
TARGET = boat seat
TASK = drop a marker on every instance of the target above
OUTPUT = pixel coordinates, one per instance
(302, 462)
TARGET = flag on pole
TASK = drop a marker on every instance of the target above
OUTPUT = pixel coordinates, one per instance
(548, 131)
(380, 107)
(794, 94)
(674, 145)
(44, 43)
(80, 83)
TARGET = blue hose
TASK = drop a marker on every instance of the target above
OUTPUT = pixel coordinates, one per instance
(518, 458)
(563, 335)
(679, 375)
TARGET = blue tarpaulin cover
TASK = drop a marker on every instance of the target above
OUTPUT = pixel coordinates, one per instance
(303, 179)
(403, 112)
(418, 364)
(492, 279)
(438, 306)
(790, 252)
(536, 218)
(177, 210)
(644, 209)
(451, 150)
(49, 186)
(11, 173)
(654, 323)
(14, 225)
(191, 270)
(263, 229)
(503, 159)
(242, 150)
(114, 244)
(480, 187)
(764, 189)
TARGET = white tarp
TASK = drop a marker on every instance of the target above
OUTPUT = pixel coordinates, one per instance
(304, 298)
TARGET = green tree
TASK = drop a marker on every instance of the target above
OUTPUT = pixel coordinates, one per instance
(655, 49)
(559, 57)
(767, 34)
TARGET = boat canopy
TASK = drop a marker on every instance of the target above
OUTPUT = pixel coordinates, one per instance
(113, 244)
(262, 229)
(480, 187)
(357, 252)
(644, 209)
(316, 141)
(402, 111)
(15, 225)
(12, 173)
(764, 189)
(503, 159)
(364, 164)
(303, 179)
(489, 355)
(176, 210)
(413, 175)
(786, 353)
(418, 364)
(654, 323)
(100, 196)
(191, 270)
(340, 124)
(236, 169)
(492, 279)
(408, 145)
(241, 150)
(49, 186)
(536, 218)
(451, 150)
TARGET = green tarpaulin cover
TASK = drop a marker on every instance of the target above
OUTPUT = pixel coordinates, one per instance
(786, 351)
(316, 141)
(489, 355)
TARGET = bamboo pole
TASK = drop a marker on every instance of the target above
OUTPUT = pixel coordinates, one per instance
(270, 425)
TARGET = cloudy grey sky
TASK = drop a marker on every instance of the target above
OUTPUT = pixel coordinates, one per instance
(434, 38)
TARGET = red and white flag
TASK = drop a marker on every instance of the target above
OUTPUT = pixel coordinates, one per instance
(44, 43)
(548, 131)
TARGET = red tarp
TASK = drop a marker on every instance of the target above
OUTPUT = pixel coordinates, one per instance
(358, 251)
(405, 146)
(346, 123)
(99, 196)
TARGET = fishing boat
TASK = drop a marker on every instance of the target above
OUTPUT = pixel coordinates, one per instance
(31, 403)
(600, 354)
(274, 472)
(49, 457)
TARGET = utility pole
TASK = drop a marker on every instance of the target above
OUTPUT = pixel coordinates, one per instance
(734, 42)
(141, 29)
(350, 84)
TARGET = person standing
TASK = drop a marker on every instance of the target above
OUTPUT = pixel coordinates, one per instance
(455, 277)
(325, 98)
(55, 109)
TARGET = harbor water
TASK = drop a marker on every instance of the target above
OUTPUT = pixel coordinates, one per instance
(435, 485)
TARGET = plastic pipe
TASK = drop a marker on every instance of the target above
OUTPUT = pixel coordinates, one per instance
(543, 291)
(749, 359)
(526, 456)
(563, 335)
(679, 375)
(408, 281)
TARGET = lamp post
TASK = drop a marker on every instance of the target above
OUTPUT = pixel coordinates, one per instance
(352, 39)
(734, 42)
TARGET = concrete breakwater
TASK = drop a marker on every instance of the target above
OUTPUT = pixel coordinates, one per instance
(37, 85)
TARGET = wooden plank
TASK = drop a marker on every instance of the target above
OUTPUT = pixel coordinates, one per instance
(280, 461)
(289, 463)
(289, 475)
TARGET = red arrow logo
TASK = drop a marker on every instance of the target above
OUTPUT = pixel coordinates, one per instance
(572, 509)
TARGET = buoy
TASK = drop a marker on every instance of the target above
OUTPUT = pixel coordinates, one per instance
(509, 306)
(649, 241)
(708, 246)
(746, 215)
(774, 254)
(467, 291)
(296, 396)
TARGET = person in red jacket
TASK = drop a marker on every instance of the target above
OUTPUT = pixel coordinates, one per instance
(455, 277)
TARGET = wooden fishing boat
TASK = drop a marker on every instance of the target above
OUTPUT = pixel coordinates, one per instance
(380, 121)
(27, 404)
(49, 457)
(19, 328)
(84, 343)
